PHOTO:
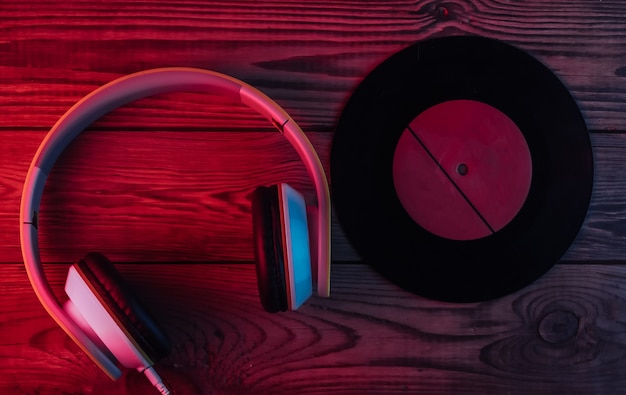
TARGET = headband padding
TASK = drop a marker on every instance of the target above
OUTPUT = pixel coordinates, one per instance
(121, 302)
(268, 249)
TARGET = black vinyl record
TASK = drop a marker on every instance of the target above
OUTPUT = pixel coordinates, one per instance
(474, 70)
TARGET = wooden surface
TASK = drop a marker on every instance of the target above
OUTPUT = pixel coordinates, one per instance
(167, 180)
(561, 335)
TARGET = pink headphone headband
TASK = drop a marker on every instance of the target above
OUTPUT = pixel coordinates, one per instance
(118, 93)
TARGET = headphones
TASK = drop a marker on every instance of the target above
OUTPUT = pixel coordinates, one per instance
(101, 313)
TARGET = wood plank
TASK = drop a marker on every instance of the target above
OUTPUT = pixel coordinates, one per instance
(602, 234)
(167, 196)
(198, 183)
(562, 334)
(309, 58)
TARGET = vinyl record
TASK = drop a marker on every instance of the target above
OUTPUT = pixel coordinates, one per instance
(461, 169)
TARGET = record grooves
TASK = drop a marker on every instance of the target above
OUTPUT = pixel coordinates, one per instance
(498, 191)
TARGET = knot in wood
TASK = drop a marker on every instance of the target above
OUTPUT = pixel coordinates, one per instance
(446, 10)
(441, 12)
(558, 327)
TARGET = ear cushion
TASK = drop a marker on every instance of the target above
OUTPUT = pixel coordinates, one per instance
(268, 249)
(124, 305)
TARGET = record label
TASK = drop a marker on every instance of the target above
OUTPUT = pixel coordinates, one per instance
(462, 170)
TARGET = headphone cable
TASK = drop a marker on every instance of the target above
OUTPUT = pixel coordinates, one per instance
(156, 381)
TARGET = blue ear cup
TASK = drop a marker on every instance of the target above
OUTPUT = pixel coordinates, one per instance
(297, 246)
(281, 246)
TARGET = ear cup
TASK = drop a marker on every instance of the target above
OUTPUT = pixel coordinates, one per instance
(120, 301)
(296, 246)
(268, 249)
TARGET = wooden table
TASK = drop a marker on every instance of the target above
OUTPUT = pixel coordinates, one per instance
(162, 187)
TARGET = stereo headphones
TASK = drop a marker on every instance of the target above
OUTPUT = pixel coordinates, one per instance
(101, 314)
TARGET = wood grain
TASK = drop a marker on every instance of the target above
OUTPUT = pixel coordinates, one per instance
(307, 57)
(167, 179)
(164, 196)
(370, 337)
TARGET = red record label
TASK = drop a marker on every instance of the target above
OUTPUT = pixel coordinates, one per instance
(462, 169)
